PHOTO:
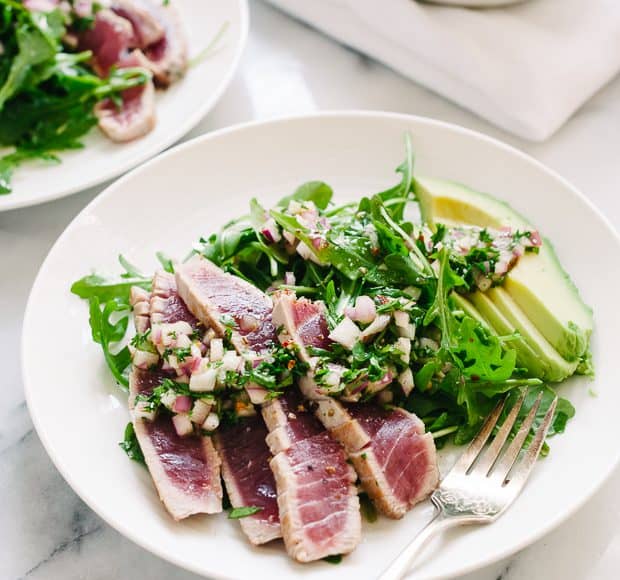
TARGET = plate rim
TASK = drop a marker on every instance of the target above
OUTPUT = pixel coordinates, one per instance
(185, 127)
(596, 481)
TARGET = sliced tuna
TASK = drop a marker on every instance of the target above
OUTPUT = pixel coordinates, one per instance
(165, 57)
(395, 460)
(248, 478)
(140, 301)
(319, 507)
(318, 504)
(110, 39)
(143, 16)
(166, 305)
(220, 301)
(135, 117)
(301, 321)
(185, 470)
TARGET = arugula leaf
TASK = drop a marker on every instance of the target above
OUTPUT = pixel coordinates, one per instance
(96, 286)
(107, 333)
(401, 192)
(166, 262)
(243, 512)
(439, 309)
(34, 48)
(316, 191)
(130, 445)
(335, 559)
(481, 353)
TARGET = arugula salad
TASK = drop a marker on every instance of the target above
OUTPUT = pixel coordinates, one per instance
(433, 300)
(66, 66)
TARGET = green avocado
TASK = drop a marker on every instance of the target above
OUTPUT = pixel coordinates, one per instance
(537, 284)
(555, 368)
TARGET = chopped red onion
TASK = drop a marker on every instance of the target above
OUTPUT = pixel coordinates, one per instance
(345, 333)
(200, 411)
(182, 404)
(406, 381)
(289, 279)
(378, 324)
(182, 424)
(364, 310)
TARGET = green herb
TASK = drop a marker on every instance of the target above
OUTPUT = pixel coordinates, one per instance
(108, 333)
(243, 512)
(166, 262)
(335, 559)
(130, 445)
(317, 192)
(368, 509)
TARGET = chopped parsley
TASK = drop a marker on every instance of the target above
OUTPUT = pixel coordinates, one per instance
(243, 512)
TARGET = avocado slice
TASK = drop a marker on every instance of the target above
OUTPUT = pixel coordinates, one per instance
(538, 284)
(533, 352)
(557, 367)
(468, 308)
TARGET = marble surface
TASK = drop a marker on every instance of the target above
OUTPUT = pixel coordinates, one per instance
(46, 532)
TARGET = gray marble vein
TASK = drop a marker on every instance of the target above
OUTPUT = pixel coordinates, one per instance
(47, 532)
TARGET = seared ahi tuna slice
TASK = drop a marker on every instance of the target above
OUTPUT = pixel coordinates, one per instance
(319, 507)
(160, 36)
(136, 115)
(140, 302)
(110, 39)
(220, 301)
(142, 14)
(249, 480)
(166, 305)
(394, 458)
(301, 321)
(318, 504)
(185, 470)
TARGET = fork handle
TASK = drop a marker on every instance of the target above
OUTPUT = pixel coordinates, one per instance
(402, 564)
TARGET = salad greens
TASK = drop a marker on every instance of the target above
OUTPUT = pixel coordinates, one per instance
(47, 94)
(426, 355)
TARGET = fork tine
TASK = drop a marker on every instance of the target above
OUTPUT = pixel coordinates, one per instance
(503, 466)
(492, 453)
(524, 467)
(465, 461)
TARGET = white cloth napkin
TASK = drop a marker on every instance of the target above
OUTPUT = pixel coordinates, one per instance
(526, 68)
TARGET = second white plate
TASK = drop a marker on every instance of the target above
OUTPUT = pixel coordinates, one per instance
(179, 109)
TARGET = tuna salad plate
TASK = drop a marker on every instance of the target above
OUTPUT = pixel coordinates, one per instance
(90, 89)
(257, 354)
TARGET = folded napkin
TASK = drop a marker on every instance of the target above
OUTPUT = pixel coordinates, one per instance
(526, 67)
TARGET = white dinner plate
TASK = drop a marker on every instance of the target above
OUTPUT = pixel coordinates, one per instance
(475, 3)
(190, 191)
(178, 110)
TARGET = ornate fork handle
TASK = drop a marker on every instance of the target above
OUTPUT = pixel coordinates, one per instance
(451, 509)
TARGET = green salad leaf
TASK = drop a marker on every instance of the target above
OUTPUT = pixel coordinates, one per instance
(130, 445)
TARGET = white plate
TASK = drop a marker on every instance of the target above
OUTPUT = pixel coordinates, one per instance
(475, 3)
(190, 191)
(179, 109)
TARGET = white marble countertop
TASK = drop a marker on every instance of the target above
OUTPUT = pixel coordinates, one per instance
(46, 532)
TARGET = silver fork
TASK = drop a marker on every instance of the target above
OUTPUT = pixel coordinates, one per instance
(483, 482)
